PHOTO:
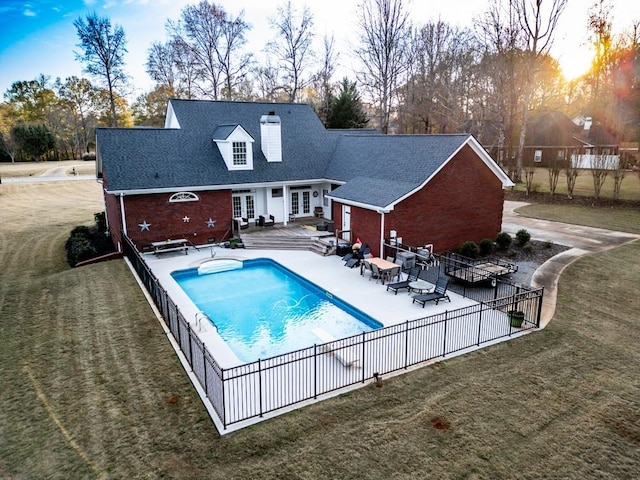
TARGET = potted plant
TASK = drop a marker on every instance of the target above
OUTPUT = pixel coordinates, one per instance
(516, 317)
(233, 242)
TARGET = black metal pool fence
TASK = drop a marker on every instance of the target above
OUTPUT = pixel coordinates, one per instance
(257, 388)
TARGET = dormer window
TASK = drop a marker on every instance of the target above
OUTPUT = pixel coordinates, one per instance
(239, 153)
(235, 145)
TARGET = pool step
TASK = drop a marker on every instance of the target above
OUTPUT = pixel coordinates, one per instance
(276, 242)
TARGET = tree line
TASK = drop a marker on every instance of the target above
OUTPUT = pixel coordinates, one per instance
(487, 79)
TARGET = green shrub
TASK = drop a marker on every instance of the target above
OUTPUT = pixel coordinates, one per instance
(101, 221)
(548, 244)
(528, 248)
(522, 237)
(469, 249)
(79, 249)
(88, 242)
(503, 240)
(486, 246)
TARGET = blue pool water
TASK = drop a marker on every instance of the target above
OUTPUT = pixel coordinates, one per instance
(263, 309)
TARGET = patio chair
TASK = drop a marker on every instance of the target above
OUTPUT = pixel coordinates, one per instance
(375, 272)
(266, 222)
(241, 223)
(413, 276)
(390, 274)
(438, 294)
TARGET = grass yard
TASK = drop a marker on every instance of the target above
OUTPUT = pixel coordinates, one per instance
(630, 187)
(33, 169)
(611, 218)
(92, 389)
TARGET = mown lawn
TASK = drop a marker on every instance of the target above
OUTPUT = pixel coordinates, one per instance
(611, 218)
(630, 186)
(91, 388)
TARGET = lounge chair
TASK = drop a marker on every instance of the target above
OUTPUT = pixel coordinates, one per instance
(413, 276)
(438, 294)
(348, 356)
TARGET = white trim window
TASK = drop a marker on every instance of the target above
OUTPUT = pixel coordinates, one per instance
(183, 197)
(537, 156)
(239, 150)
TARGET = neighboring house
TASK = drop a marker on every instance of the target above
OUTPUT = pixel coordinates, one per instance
(552, 139)
(215, 161)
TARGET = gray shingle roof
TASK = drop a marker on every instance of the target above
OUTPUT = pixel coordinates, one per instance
(378, 169)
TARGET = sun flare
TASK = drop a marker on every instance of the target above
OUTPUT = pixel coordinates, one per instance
(575, 63)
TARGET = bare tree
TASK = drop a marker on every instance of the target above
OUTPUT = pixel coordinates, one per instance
(600, 167)
(601, 38)
(104, 48)
(553, 172)
(187, 68)
(323, 78)
(618, 173)
(500, 77)
(538, 24)
(214, 40)
(233, 62)
(572, 172)
(385, 30)
(161, 64)
(292, 46)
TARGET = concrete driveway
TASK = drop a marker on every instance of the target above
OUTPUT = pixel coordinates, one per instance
(583, 240)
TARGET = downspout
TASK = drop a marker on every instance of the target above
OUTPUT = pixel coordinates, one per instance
(123, 218)
(381, 233)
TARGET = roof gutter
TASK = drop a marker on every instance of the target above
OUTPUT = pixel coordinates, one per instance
(231, 186)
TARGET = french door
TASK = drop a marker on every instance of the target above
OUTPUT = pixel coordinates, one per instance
(300, 203)
(244, 205)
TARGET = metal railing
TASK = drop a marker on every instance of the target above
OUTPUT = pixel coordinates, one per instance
(257, 388)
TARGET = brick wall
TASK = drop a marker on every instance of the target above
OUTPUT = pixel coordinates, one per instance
(167, 219)
(114, 219)
(464, 201)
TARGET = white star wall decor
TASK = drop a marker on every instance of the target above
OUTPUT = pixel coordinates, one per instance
(144, 226)
(210, 223)
(185, 219)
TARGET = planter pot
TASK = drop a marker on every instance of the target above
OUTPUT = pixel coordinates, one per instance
(515, 318)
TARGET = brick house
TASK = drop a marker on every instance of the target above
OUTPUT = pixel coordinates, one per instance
(553, 140)
(215, 161)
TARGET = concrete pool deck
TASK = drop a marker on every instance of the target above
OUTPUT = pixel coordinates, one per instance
(329, 273)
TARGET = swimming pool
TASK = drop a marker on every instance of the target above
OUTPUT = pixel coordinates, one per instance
(263, 309)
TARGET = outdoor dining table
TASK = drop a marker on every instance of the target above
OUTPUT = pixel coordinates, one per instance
(383, 265)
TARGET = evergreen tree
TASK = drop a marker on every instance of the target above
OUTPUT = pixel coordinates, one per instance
(33, 139)
(347, 110)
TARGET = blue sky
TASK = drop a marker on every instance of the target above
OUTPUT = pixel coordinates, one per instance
(38, 36)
